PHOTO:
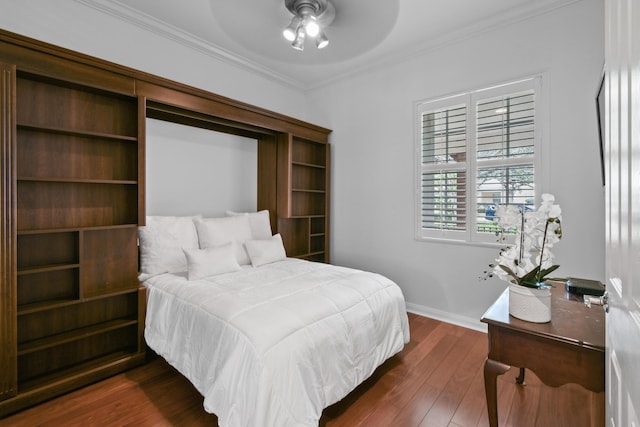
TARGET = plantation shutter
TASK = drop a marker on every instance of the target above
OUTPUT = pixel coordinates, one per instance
(505, 148)
(505, 127)
(475, 151)
(444, 175)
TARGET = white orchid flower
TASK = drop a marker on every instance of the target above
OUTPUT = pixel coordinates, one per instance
(537, 232)
(508, 216)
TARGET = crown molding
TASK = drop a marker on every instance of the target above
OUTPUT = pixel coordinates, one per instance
(532, 10)
(161, 28)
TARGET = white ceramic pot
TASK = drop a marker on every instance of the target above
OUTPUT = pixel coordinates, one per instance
(530, 304)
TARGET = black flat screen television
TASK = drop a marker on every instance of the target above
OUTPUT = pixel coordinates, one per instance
(600, 112)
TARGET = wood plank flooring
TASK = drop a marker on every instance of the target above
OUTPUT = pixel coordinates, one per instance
(436, 380)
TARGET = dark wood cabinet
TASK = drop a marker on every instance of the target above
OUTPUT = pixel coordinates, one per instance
(303, 196)
(78, 309)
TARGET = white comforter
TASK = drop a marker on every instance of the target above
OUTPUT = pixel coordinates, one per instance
(275, 345)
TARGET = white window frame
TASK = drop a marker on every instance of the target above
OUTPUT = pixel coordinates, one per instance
(470, 166)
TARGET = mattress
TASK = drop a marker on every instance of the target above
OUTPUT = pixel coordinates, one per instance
(274, 345)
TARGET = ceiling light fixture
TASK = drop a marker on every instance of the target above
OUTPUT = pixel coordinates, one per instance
(310, 18)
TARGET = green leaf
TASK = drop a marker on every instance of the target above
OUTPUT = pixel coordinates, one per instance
(531, 276)
(510, 273)
(544, 273)
(529, 283)
(531, 279)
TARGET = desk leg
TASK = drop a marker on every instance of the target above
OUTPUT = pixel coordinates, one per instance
(491, 371)
(597, 409)
(520, 378)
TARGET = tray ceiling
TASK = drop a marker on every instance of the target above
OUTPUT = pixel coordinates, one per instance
(364, 34)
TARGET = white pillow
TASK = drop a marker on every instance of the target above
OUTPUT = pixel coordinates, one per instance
(211, 261)
(259, 222)
(264, 252)
(219, 231)
(161, 243)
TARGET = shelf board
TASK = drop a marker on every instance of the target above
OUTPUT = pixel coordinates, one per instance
(308, 165)
(311, 256)
(109, 227)
(74, 229)
(308, 254)
(106, 363)
(45, 305)
(74, 335)
(308, 190)
(75, 132)
(78, 180)
(46, 268)
(59, 303)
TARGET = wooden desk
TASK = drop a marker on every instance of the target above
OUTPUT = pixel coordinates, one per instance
(569, 349)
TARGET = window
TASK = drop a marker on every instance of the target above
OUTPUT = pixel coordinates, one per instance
(476, 150)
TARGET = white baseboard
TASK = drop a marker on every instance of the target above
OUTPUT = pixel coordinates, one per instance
(443, 316)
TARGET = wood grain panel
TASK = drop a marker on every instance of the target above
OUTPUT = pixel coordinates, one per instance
(307, 203)
(45, 249)
(45, 205)
(308, 152)
(108, 261)
(295, 235)
(283, 180)
(308, 177)
(53, 155)
(63, 105)
(224, 111)
(55, 285)
(267, 178)
(8, 378)
(59, 320)
(60, 63)
(327, 200)
(65, 355)
(141, 161)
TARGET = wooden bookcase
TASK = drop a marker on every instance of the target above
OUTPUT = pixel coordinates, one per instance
(303, 196)
(79, 308)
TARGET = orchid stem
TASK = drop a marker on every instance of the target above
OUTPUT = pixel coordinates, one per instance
(521, 237)
(544, 239)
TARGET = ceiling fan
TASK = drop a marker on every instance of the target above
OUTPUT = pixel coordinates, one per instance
(310, 19)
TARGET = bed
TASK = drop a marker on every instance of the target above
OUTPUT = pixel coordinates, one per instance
(268, 342)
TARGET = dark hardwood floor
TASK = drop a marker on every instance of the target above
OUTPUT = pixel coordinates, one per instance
(436, 380)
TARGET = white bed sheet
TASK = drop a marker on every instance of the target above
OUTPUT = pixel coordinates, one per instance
(273, 346)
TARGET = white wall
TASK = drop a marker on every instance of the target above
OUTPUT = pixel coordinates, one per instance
(373, 142)
(197, 171)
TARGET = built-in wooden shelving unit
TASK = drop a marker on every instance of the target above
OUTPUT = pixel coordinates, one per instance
(72, 186)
